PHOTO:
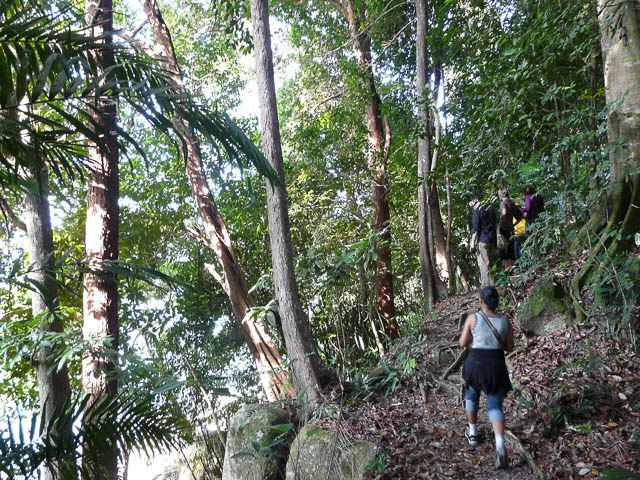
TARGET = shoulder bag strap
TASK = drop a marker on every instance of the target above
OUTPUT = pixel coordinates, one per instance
(493, 329)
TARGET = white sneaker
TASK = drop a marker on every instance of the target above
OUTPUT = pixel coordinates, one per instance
(501, 458)
(473, 439)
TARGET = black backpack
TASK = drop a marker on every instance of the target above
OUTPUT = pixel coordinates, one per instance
(488, 216)
(537, 207)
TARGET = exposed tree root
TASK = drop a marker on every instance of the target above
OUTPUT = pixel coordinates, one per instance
(455, 365)
(518, 447)
(447, 385)
(616, 237)
(595, 224)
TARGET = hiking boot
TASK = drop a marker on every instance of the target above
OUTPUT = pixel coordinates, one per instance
(473, 439)
(501, 458)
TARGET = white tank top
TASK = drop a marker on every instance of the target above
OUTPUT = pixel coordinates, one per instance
(483, 337)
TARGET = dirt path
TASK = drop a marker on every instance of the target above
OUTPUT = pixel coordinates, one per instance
(566, 411)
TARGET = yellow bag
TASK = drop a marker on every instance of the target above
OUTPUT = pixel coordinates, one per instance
(519, 227)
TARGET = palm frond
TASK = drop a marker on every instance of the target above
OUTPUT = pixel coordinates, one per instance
(51, 85)
(81, 431)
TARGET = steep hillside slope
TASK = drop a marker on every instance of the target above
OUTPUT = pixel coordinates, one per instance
(574, 413)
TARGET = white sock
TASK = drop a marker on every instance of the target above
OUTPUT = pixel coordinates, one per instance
(472, 429)
(499, 441)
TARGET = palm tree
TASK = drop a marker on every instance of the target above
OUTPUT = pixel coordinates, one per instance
(50, 88)
(129, 421)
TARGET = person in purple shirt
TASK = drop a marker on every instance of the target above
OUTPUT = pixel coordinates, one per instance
(533, 205)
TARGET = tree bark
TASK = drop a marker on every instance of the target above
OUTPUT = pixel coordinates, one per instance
(378, 153)
(440, 250)
(100, 300)
(53, 388)
(425, 212)
(620, 29)
(273, 373)
(450, 273)
(300, 344)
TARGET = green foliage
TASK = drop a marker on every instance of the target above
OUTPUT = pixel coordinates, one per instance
(278, 436)
(81, 431)
(52, 86)
(529, 110)
(385, 381)
(615, 288)
(378, 464)
(522, 103)
(619, 474)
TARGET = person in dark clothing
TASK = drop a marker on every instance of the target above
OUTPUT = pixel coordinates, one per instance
(483, 238)
(533, 205)
(488, 334)
(508, 212)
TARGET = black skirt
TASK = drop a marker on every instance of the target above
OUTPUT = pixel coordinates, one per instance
(486, 371)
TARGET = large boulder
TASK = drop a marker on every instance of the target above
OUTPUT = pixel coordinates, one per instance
(248, 455)
(320, 455)
(545, 310)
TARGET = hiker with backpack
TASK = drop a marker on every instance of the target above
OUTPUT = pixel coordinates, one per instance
(488, 334)
(508, 213)
(533, 205)
(483, 238)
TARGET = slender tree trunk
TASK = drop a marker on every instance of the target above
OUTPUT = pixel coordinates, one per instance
(425, 223)
(450, 273)
(440, 248)
(378, 152)
(273, 373)
(440, 251)
(300, 344)
(100, 300)
(53, 388)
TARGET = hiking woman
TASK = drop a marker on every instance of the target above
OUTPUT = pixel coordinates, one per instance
(489, 334)
(533, 205)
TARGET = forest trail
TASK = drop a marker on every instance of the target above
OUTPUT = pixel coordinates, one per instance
(575, 406)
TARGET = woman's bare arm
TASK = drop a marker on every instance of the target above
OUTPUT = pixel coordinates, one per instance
(466, 338)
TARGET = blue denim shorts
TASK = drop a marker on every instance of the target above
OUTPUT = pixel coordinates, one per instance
(494, 404)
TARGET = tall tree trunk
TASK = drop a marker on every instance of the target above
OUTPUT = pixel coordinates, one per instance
(440, 249)
(100, 300)
(450, 273)
(425, 223)
(300, 344)
(621, 55)
(53, 388)
(273, 373)
(620, 29)
(378, 153)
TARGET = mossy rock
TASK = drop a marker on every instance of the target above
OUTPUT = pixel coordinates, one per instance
(321, 455)
(246, 456)
(545, 310)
